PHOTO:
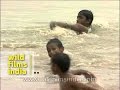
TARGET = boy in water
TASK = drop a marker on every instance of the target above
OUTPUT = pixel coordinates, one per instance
(55, 46)
(83, 23)
(60, 64)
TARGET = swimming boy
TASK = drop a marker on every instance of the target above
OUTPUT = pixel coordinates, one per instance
(55, 46)
(60, 64)
(83, 22)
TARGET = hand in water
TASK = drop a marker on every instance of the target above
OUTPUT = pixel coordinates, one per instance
(52, 25)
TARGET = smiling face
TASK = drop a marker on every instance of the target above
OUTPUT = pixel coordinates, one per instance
(52, 49)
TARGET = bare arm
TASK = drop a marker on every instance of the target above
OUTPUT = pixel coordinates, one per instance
(88, 75)
(75, 27)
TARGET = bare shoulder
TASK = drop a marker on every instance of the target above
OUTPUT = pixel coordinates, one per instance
(81, 28)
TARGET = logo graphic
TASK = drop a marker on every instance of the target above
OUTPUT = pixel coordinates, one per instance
(17, 63)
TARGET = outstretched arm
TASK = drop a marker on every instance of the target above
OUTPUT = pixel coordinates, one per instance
(75, 27)
(88, 75)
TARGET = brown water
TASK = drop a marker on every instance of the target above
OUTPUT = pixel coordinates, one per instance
(25, 26)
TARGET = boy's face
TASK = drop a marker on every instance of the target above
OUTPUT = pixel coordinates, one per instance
(53, 49)
(82, 20)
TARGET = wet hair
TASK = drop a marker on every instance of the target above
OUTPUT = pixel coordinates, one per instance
(62, 60)
(55, 41)
(88, 14)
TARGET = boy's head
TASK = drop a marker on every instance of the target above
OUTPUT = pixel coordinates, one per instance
(54, 46)
(60, 63)
(85, 17)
